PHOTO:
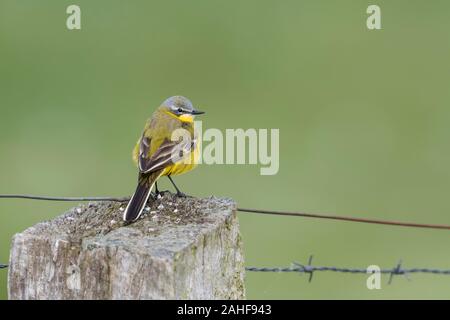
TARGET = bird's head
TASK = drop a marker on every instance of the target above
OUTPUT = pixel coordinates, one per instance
(180, 108)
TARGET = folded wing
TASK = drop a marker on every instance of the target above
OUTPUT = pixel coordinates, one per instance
(168, 153)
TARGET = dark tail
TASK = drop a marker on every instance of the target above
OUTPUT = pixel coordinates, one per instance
(140, 197)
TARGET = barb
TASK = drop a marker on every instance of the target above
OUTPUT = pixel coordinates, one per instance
(247, 210)
(310, 269)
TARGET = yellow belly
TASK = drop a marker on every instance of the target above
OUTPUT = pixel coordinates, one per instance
(184, 166)
(178, 167)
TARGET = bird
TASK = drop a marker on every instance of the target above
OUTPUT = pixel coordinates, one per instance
(168, 146)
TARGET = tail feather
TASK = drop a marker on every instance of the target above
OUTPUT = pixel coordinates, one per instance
(140, 197)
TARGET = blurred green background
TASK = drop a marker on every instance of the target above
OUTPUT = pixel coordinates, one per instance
(363, 117)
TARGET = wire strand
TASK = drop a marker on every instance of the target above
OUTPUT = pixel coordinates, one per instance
(309, 269)
(246, 210)
(344, 218)
(49, 198)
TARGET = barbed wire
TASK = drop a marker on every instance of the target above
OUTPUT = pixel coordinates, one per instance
(310, 269)
(247, 210)
(296, 267)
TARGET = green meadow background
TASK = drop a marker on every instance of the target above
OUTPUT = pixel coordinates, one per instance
(363, 116)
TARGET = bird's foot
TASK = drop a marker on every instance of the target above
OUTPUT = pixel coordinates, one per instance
(161, 193)
(183, 195)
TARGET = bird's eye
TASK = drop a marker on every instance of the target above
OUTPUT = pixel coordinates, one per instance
(180, 110)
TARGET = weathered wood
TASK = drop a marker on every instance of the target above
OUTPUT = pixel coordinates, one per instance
(182, 248)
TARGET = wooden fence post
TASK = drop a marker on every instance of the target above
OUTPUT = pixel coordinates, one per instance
(182, 248)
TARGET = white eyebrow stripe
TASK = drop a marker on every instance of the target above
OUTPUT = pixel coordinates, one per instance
(175, 108)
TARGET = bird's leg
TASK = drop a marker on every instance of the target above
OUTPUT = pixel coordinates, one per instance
(179, 193)
(155, 194)
(157, 191)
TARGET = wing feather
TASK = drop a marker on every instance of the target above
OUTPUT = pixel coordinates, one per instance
(168, 153)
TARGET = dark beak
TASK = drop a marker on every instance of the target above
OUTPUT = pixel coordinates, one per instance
(195, 112)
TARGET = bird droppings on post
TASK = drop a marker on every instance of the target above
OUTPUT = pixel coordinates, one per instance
(186, 211)
(190, 249)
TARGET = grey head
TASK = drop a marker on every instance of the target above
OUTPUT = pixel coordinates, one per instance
(179, 105)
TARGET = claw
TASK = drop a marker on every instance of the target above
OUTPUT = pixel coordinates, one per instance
(181, 195)
(153, 195)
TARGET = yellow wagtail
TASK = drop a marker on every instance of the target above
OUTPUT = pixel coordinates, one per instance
(156, 154)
